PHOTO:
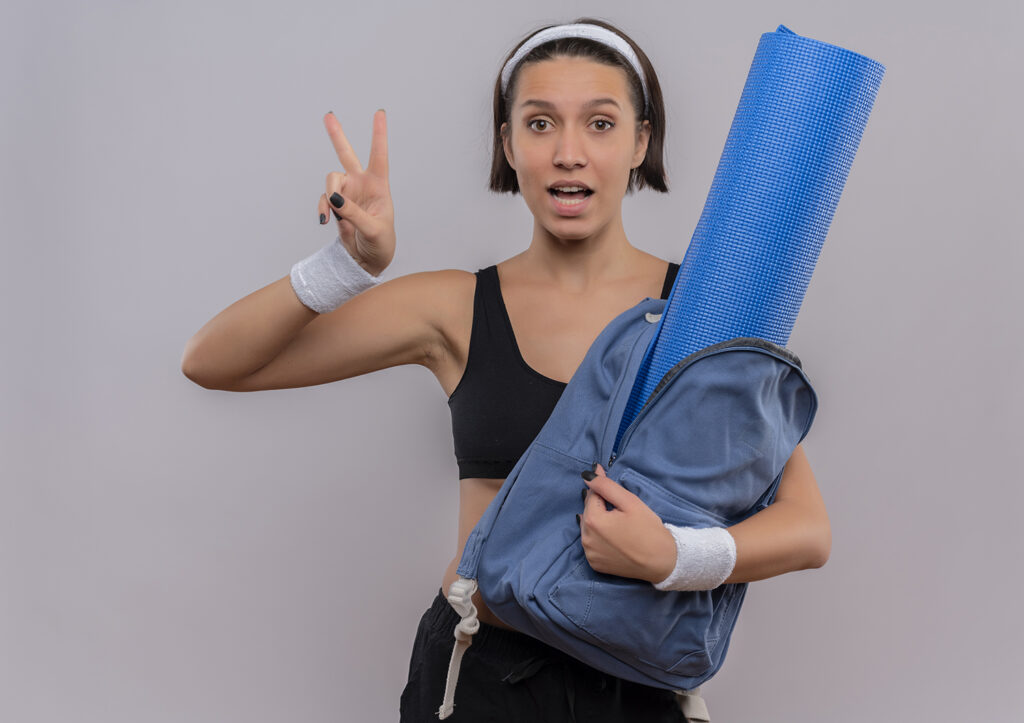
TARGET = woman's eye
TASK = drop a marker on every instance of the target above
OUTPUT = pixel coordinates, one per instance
(606, 124)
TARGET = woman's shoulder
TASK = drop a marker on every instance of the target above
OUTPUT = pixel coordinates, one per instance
(440, 287)
(655, 262)
(444, 298)
(445, 294)
(438, 280)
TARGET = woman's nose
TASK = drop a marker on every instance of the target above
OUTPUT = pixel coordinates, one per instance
(569, 151)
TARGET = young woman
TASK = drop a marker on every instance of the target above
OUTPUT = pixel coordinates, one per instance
(578, 122)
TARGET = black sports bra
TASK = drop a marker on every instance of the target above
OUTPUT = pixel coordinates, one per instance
(501, 403)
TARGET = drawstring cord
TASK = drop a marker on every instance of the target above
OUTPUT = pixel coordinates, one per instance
(694, 708)
(460, 597)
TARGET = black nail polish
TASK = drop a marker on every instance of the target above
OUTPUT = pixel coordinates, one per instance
(337, 200)
(593, 467)
(587, 475)
(577, 519)
(336, 214)
(584, 495)
(323, 218)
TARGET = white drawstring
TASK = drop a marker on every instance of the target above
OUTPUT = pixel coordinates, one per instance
(693, 706)
(460, 597)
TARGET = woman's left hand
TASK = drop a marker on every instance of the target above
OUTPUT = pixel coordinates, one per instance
(628, 540)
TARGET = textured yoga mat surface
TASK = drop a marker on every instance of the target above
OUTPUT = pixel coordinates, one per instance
(786, 159)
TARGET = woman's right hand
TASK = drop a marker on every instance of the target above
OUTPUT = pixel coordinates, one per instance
(366, 218)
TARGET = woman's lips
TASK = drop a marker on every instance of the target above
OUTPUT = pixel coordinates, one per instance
(570, 207)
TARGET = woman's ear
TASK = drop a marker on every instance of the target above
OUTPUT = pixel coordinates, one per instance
(506, 144)
(643, 137)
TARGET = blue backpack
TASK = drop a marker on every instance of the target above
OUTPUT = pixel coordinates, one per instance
(707, 448)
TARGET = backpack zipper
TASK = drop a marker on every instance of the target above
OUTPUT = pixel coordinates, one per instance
(618, 387)
(639, 414)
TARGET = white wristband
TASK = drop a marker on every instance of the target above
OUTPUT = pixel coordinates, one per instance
(330, 277)
(705, 557)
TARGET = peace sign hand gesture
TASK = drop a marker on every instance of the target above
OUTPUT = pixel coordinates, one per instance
(365, 216)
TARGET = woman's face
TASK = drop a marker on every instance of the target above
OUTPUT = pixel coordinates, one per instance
(572, 124)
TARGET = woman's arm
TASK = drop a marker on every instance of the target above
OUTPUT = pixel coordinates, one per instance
(272, 340)
(792, 533)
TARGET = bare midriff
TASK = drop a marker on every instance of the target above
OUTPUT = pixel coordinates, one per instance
(475, 494)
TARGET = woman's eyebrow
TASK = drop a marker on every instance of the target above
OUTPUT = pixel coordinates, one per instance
(546, 105)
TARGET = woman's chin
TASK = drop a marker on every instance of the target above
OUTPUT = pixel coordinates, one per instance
(571, 230)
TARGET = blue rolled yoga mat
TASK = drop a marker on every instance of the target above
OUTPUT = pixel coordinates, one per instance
(787, 156)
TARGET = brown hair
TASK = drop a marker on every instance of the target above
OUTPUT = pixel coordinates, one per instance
(651, 172)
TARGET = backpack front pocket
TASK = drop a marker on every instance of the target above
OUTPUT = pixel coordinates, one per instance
(676, 631)
(531, 530)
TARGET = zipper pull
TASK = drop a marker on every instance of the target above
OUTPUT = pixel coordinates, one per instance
(611, 459)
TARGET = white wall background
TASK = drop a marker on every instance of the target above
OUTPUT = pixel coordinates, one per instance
(170, 553)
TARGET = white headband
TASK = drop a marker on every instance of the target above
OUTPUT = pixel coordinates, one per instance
(576, 30)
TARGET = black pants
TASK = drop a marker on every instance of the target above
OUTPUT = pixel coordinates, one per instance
(509, 676)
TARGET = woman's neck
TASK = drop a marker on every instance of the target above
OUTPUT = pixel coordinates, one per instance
(575, 263)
